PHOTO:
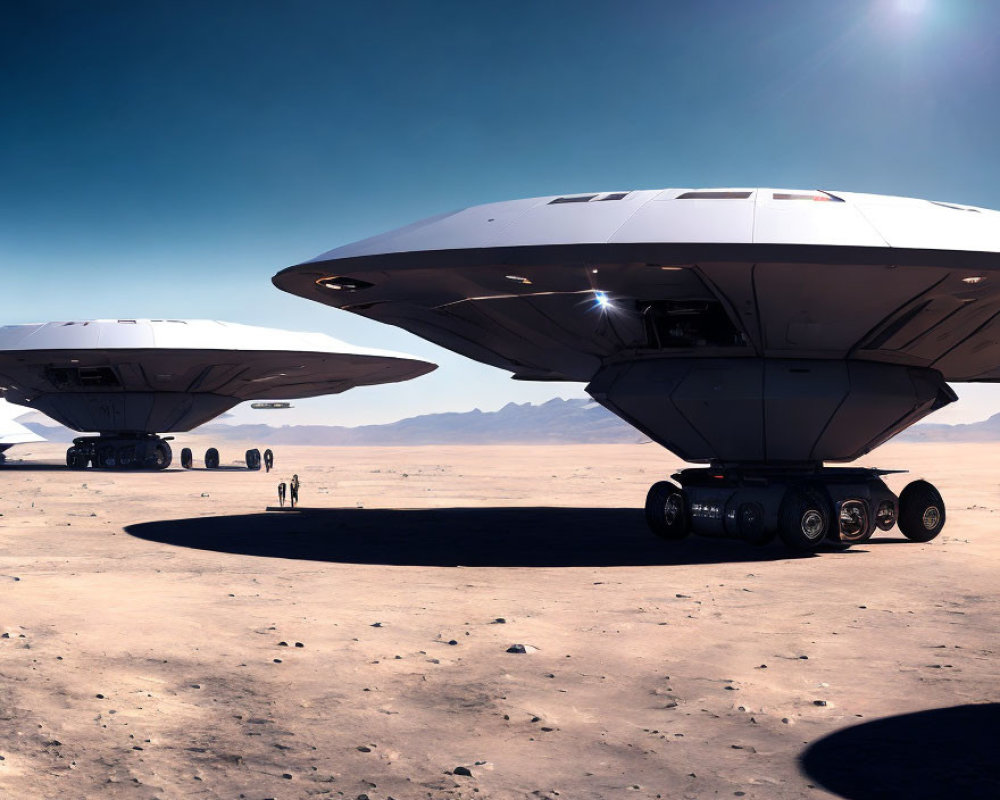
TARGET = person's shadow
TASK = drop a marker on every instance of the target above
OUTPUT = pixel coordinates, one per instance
(500, 537)
(943, 752)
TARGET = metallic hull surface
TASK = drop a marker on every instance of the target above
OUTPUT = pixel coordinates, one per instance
(737, 325)
(98, 381)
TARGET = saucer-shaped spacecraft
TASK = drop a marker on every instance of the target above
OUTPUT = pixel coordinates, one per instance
(130, 379)
(763, 331)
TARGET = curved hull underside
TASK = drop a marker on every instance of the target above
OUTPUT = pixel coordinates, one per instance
(718, 352)
(157, 391)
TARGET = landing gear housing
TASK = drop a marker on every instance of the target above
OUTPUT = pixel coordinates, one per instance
(804, 506)
(120, 451)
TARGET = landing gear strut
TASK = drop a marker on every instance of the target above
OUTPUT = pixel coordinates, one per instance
(804, 506)
(120, 451)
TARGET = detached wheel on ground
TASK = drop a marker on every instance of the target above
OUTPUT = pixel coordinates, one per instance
(187, 458)
(666, 511)
(211, 458)
(921, 511)
(253, 459)
(804, 520)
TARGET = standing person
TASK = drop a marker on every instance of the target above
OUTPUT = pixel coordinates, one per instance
(295, 489)
(281, 494)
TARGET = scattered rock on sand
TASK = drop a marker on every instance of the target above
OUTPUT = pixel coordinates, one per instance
(462, 771)
(522, 648)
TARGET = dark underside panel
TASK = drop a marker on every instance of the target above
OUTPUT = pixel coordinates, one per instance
(159, 391)
(546, 320)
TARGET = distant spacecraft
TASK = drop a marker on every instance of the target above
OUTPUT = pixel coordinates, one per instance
(271, 405)
(131, 379)
(762, 331)
(12, 432)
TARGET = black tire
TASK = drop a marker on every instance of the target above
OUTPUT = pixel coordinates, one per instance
(211, 458)
(666, 511)
(125, 456)
(253, 459)
(106, 457)
(269, 459)
(187, 458)
(162, 456)
(921, 512)
(750, 524)
(804, 521)
(75, 459)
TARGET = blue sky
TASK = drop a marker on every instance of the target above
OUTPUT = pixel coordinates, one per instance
(164, 159)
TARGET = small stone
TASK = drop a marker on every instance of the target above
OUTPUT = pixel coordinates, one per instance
(282, 644)
(286, 775)
(499, 621)
(195, 685)
(204, 494)
(99, 696)
(277, 661)
(452, 642)
(462, 771)
(819, 702)
(376, 625)
(804, 658)
(364, 749)
(521, 648)
(299, 644)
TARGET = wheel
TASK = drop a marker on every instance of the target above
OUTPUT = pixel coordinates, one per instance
(268, 459)
(125, 456)
(106, 457)
(187, 458)
(211, 458)
(750, 524)
(854, 523)
(921, 512)
(75, 458)
(253, 459)
(803, 521)
(666, 512)
(162, 456)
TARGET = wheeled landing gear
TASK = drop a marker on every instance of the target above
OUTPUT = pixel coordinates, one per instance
(253, 459)
(211, 458)
(120, 451)
(803, 506)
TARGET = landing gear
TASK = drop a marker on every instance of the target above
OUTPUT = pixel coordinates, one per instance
(921, 512)
(253, 459)
(804, 520)
(120, 451)
(804, 505)
(187, 458)
(211, 458)
(665, 511)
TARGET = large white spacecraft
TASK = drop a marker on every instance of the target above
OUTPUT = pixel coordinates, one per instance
(129, 379)
(761, 331)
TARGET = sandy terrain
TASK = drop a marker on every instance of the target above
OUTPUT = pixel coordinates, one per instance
(163, 637)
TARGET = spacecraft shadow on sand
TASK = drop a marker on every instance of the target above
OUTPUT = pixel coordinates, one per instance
(926, 755)
(448, 537)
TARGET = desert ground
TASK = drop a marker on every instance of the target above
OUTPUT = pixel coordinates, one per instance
(166, 637)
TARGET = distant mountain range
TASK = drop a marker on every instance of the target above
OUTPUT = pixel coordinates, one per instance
(986, 431)
(576, 421)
